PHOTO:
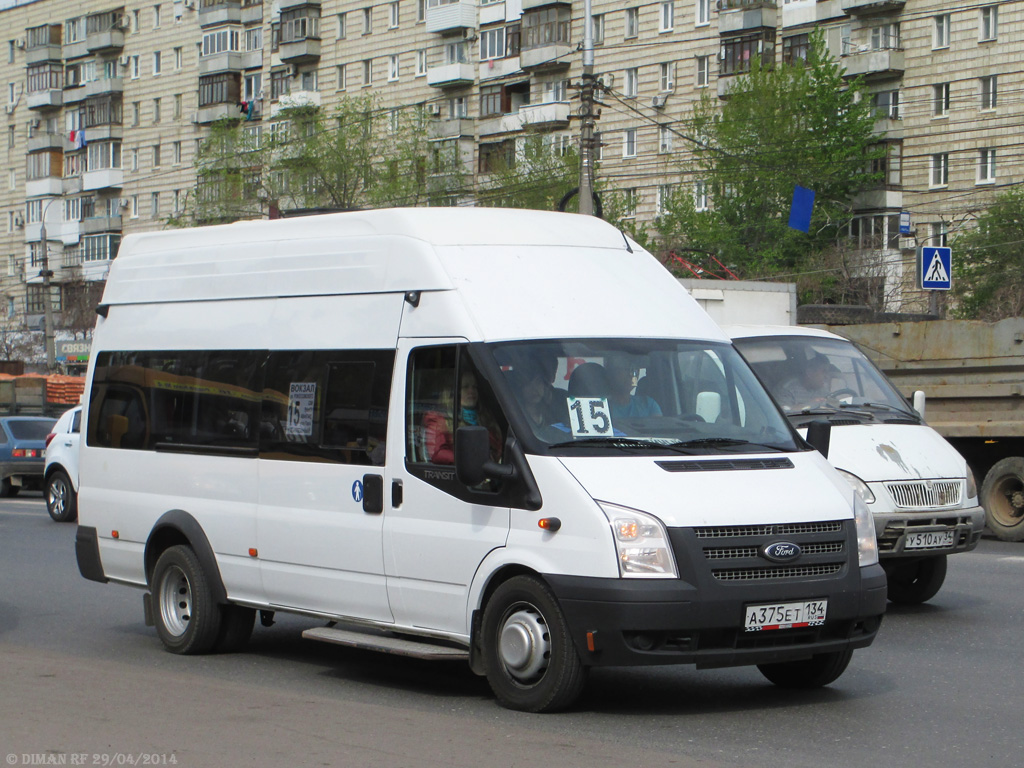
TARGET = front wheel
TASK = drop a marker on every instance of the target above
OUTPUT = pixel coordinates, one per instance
(188, 620)
(1002, 496)
(917, 581)
(531, 662)
(814, 672)
(61, 502)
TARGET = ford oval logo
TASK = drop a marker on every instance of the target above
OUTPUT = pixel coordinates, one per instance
(781, 551)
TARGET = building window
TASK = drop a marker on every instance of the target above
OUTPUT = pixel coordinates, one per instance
(988, 92)
(393, 16)
(222, 88)
(154, 204)
(367, 72)
(497, 156)
(156, 17)
(986, 166)
(421, 63)
(941, 31)
(492, 43)
(300, 24)
(940, 169)
(253, 87)
(629, 201)
(885, 37)
(254, 39)
(156, 155)
(135, 68)
(34, 301)
(178, 57)
(458, 107)
(367, 20)
(632, 86)
(597, 28)
(157, 62)
(45, 77)
(702, 13)
(176, 153)
(738, 52)
(664, 139)
(393, 67)
(135, 159)
(700, 195)
(341, 26)
(632, 22)
(280, 83)
(667, 80)
(940, 100)
(309, 80)
(664, 196)
(886, 104)
(341, 77)
(988, 23)
(156, 110)
(629, 142)
(555, 90)
(493, 100)
(940, 234)
(795, 49)
(668, 16)
(103, 155)
(703, 71)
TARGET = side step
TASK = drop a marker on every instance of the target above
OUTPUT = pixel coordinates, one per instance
(395, 645)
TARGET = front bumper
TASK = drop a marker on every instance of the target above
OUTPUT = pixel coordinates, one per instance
(891, 529)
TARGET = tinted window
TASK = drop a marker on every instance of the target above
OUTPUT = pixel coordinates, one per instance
(76, 422)
(30, 430)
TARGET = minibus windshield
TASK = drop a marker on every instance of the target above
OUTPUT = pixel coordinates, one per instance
(630, 395)
(812, 376)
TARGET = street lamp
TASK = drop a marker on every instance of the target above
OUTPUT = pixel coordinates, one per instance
(47, 274)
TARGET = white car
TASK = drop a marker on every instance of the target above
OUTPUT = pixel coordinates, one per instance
(60, 477)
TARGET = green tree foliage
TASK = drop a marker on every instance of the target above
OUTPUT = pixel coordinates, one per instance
(533, 173)
(780, 126)
(357, 156)
(988, 269)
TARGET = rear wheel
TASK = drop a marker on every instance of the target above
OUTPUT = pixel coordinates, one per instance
(61, 502)
(236, 625)
(1002, 496)
(531, 662)
(188, 620)
(8, 489)
(814, 672)
(917, 581)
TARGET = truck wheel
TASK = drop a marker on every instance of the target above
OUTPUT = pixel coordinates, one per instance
(60, 498)
(917, 581)
(236, 625)
(530, 660)
(188, 621)
(1002, 496)
(808, 673)
(8, 489)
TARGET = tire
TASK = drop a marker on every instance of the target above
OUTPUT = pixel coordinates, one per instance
(917, 581)
(61, 499)
(1002, 496)
(529, 658)
(814, 672)
(236, 625)
(8, 489)
(188, 621)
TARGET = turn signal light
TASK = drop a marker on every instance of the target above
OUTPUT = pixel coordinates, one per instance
(551, 524)
(115, 535)
(253, 552)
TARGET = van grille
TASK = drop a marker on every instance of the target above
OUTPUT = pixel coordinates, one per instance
(790, 572)
(925, 494)
(785, 529)
(729, 553)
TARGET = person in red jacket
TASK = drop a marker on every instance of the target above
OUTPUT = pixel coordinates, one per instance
(439, 426)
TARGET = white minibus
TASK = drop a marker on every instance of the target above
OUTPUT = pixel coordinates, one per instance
(509, 437)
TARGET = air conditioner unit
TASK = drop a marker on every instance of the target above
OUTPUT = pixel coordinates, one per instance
(659, 101)
(19, 220)
(607, 80)
(123, 22)
(190, 4)
(434, 109)
(9, 108)
(19, 43)
(125, 61)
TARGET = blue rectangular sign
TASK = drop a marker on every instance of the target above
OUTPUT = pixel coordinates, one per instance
(935, 265)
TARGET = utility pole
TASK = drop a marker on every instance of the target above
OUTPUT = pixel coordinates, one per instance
(47, 274)
(586, 185)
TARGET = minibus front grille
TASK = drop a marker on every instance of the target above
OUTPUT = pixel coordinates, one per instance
(925, 494)
(733, 553)
(783, 529)
(787, 572)
(724, 465)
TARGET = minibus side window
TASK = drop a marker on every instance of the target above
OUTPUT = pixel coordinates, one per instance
(327, 406)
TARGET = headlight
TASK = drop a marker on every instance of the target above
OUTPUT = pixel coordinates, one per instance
(858, 485)
(972, 485)
(641, 542)
(867, 544)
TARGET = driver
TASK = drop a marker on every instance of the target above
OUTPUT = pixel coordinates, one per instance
(810, 387)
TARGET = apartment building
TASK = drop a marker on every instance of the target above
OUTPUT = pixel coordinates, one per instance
(108, 102)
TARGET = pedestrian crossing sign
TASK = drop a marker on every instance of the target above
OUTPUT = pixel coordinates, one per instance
(935, 268)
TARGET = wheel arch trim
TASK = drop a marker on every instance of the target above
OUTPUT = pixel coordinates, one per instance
(175, 527)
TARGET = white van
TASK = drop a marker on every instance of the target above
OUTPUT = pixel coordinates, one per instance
(463, 434)
(920, 491)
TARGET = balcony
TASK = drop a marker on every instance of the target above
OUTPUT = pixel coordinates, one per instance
(879, 64)
(48, 186)
(554, 114)
(869, 7)
(500, 124)
(105, 41)
(887, 128)
(451, 75)
(296, 100)
(451, 128)
(104, 86)
(547, 57)
(104, 132)
(451, 17)
(229, 61)
(100, 224)
(885, 198)
(740, 15)
(75, 50)
(214, 112)
(74, 94)
(108, 178)
(44, 53)
(212, 14)
(529, 5)
(49, 98)
(252, 14)
(71, 185)
(41, 141)
(304, 51)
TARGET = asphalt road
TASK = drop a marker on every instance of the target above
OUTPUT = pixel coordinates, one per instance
(83, 681)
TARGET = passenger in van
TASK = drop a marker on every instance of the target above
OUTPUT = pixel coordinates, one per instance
(811, 386)
(439, 426)
(624, 404)
(542, 403)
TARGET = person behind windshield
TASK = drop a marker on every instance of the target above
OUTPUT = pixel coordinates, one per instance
(439, 427)
(623, 403)
(811, 386)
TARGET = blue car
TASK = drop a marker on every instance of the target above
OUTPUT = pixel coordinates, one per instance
(22, 452)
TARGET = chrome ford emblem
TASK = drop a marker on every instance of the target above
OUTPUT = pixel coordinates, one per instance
(781, 551)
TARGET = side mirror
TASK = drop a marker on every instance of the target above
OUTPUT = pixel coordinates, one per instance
(919, 403)
(473, 463)
(819, 433)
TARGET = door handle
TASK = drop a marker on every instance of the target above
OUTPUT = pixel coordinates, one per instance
(397, 494)
(373, 494)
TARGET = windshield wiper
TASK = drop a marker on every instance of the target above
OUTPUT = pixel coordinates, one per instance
(614, 442)
(886, 407)
(721, 442)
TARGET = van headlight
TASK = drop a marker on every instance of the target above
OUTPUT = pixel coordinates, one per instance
(867, 544)
(972, 485)
(641, 542)
(858, 485)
